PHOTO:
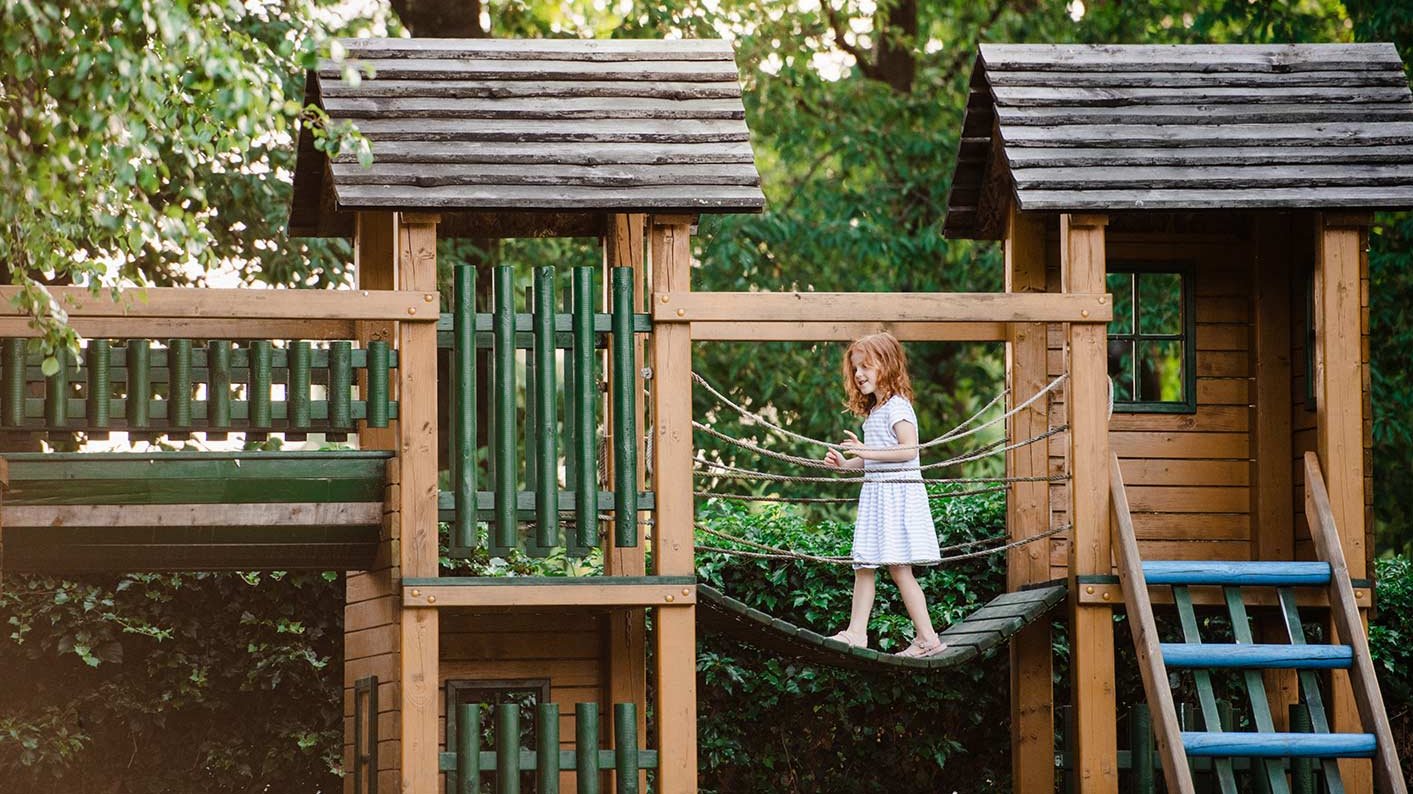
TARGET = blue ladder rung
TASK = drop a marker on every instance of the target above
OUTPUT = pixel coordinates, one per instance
(1265, 574)
(1246, 656)
(1279, 745)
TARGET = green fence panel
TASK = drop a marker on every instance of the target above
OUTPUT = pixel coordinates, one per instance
(625, 440)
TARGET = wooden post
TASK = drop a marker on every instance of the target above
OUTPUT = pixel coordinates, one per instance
(1082, 265)
(417, 502)
(1273, 272)
(1027, 515)
(627, 635)
(1340, 251)
(673, 532)
(373, 598)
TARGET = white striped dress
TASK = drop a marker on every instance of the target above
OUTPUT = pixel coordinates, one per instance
(894, 525)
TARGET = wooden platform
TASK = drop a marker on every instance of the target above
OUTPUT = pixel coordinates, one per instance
(89, 513)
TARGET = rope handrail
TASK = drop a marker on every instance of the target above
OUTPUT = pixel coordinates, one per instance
(983, 452)
(773, 552)
(955, 433)
(728, 472)
(742, 497)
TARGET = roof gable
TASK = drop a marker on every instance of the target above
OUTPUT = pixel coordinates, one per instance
(530, 126)
(1073, 128)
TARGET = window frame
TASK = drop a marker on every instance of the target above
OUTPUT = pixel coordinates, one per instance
(1188, 336)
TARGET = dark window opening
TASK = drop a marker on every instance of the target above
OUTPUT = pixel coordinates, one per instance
(1152, 339)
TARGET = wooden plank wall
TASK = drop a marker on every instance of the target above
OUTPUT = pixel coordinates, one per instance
(566, 646)
(1188, 475)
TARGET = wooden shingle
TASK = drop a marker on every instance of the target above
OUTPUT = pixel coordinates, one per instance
(568, 127)
(1076, 128)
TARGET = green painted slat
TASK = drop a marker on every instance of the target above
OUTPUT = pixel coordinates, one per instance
(179, 393)
(464, 409)
(340, 385)
(218, 384)
(468, 748)
(108, 558)
(355, 464)
(202, 491)
(1255, 687)
(586, 508)
(625, 431)
(1310, 687)
(507, 752)
(100, 385)
(298, 392)
(625, 743)
(547, 749)
(42, 537)
(139, 391)
(260, 382)
(506, 470)
(545, 422)
(13, 361)
(56, 392)
(1211, 716)
(159, 370)
(380, 358)
(158, 412)
(586, 737)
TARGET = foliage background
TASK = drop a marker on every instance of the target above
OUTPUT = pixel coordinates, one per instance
(148, 142)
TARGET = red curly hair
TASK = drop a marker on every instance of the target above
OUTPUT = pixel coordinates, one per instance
(882, 352)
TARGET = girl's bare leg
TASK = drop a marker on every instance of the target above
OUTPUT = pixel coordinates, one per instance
(914, 600)
(864, 587)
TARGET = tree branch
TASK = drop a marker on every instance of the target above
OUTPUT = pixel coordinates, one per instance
(836, 24)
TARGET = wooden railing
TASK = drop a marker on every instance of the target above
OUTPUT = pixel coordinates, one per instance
(1344, 611)
(1145, 637)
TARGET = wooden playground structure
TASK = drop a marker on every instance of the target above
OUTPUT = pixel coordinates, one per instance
(1252, 482)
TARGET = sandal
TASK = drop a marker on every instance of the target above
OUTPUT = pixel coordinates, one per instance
(849, 640)
(918, 649)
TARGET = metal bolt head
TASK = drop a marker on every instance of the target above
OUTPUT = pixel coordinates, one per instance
(668, 598)
(416, 593)
(1089, 590)
(681, 312)
(665, 298)
(686, 591)
(427, 298)
(1083, 312)
(1106, 595)
(431, 599)
(411, 309)
(1103, 299)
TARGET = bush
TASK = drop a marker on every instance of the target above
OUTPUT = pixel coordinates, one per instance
(772, 724)
(1391, 642)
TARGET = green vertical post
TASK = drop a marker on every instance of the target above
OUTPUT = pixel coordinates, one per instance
(546, 420)
(56, 393)
(14, 363)
(463, 452)
(507, 748)
(1141, 750)
(625, 747)
(625, 432)
(468, 748)
(586, 486)
(586, 747)
(139, 381)
(297, 396)
(547, 748)
(378, 366)
(179, 381)
(261, 379)
(1302, 770)
(532, 468)
(100, 382)
(218, 384)
(503, 351)
(566, 388)
(340, 384)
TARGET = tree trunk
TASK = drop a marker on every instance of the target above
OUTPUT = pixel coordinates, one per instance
(454, 19)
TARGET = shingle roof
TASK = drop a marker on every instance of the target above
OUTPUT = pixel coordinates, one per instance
(544, 125)
(1182, 127)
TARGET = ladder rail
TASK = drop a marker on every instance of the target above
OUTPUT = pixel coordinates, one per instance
(1176, 772)
(1345, 613)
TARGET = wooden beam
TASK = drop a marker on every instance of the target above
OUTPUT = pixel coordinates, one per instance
(826, 331)
(1340, 245)
(625, 630)
(1274, 270)
(673, 552)
(417, 505)
(191, 328)
(1082, 266)
(1351, 628)
(302, 514)
(247, 304)
(1091, 306)
(1112, 594)
(548, 595)
(1028, 514)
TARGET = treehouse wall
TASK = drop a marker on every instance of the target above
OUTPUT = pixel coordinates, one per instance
(565, 647)
(1188, 474)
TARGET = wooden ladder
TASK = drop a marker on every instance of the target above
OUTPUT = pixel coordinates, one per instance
(1267, 748)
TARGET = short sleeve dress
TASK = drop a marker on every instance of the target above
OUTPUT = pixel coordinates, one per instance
(894, 525)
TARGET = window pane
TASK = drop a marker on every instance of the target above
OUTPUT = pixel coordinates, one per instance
(1160, 372)
(1120, 285)
(1159, 303)
(1121, 369)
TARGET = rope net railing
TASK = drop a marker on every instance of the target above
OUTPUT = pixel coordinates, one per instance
(758, 550)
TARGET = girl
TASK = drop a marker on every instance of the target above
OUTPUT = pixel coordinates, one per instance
(894, 526)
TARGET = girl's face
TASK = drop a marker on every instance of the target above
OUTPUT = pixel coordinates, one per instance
(865, 372)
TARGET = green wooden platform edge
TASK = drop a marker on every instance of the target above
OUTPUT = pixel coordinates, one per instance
(988, 627)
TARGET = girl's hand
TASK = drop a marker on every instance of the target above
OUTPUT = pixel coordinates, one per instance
(834, 459)
(851, 444)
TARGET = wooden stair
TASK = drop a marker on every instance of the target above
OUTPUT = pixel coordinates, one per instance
(1268, 748)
